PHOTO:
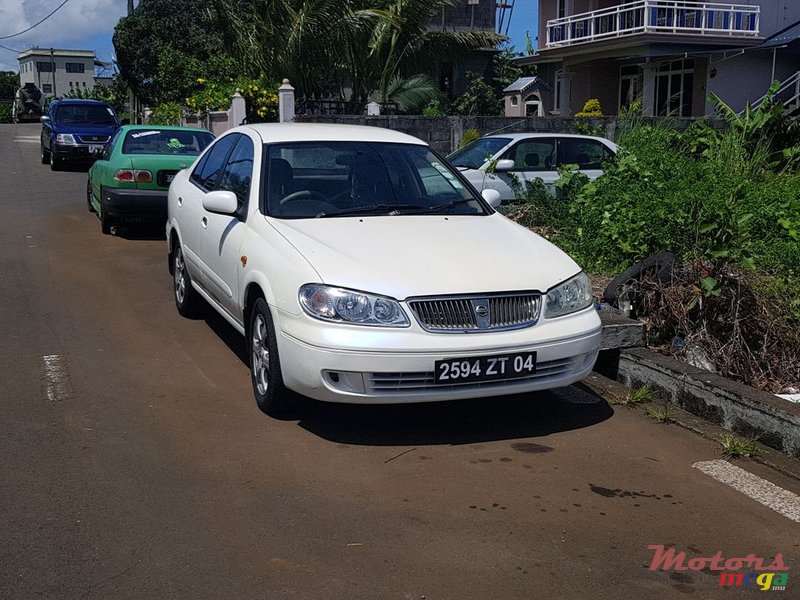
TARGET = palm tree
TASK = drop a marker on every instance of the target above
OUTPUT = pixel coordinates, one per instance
(379, 48)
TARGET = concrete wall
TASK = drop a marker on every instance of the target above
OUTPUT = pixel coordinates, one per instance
(444, 133)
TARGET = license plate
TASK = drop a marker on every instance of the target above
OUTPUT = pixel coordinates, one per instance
(95, 148)
(169, 178)
(485, 368)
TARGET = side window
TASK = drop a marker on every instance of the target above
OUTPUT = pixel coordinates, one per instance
(239, 170)
(109, 147)
(533, 155)
(208, 171)
(587, 154)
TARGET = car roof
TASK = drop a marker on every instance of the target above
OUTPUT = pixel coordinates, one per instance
(81, 101)
(328, 132)
(164, 128)
(520, 136)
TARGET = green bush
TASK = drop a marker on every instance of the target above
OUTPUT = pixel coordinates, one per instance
(169, 113)
(5, 112)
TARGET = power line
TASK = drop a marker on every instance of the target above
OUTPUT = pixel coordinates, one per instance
(10, 49)
(5, 37)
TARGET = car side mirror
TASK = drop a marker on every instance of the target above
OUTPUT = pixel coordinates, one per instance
(492, 197)
(221, 202)
(504, 165)
(44, 119)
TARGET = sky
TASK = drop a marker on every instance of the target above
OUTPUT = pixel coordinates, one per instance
(89, 25)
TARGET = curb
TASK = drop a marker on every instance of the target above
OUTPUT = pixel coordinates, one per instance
(744, 410)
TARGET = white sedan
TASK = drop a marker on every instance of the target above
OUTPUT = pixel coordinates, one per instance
(506, 162)
(361, 268)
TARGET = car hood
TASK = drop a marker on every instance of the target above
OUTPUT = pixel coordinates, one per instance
(405, 256)
(85, 129)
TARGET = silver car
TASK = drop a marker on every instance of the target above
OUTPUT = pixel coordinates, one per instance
(496, 161)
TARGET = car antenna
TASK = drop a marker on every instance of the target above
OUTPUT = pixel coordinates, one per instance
(507, 126)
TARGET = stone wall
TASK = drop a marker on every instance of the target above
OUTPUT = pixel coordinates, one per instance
(444, 133)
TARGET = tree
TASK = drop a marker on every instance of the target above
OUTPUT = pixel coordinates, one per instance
(165, 45)
(354, 49)
(9, 84)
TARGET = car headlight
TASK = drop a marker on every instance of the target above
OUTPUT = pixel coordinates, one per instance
(65, 138)
(348, 306)
(571, 296)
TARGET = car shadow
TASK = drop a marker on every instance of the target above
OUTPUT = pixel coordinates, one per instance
(139, 231)
(454, 422)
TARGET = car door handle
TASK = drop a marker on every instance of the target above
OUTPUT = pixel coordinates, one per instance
(204, 222)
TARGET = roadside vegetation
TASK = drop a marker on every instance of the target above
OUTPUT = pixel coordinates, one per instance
(727, 203)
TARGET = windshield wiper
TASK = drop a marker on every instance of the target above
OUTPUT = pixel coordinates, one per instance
(446, 205)
(390, 209)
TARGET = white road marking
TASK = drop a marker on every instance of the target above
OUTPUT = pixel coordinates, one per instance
(56, 377)
(27, 139)
(762, 491)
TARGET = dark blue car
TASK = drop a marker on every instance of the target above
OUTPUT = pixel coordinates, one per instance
(76, 131)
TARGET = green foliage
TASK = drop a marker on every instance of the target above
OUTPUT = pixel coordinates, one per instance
(318, 44)
(478, 99)
(590, 109)
(433, 109)
(261, 97)
(469, 136)
(640, 395)
(9, 84)
(5, 112)
(165, 45)
(169, 113)
(588, 129)
(736, 447)
(115, 94)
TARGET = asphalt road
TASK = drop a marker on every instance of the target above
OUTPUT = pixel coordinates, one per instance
(135, 464)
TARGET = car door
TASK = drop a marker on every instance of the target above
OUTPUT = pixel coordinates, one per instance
(101, 170)
(47, 127)
(189, 211)
(534, 158)
(225, 233)
(587, 153)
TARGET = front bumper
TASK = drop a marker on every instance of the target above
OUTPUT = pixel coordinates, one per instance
(75, 152)
(134, 205)
(367, 365)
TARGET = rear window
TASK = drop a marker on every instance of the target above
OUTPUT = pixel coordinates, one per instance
(165, 141)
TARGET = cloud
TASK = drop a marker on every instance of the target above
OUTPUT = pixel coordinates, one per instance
(79, 24)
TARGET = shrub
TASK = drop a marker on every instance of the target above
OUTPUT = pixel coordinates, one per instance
(169, 113)
(5, 112)
(591, 109)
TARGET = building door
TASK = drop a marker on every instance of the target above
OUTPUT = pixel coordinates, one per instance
(674, 89)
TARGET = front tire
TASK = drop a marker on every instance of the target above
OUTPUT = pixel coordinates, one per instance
(272, 396)
(188, 302)
(44, 153)
(55, 162)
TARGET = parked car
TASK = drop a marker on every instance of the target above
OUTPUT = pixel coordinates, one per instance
(129, 181)
(361, 268)
(76, 130)
(528, 156)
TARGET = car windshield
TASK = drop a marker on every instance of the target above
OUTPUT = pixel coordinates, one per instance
(474, 154)
(166, 141)
(339, 179)
(89, 114)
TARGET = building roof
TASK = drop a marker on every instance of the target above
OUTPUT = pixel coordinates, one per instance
(782, 38)
(62, 52)
(524, 84)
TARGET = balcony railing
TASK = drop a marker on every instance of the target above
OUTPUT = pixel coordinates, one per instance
(655, 16)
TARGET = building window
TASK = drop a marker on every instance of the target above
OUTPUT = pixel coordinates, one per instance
(75, 67)
(84, 84)
(674, 89)
(44, 67)
(514, 101)
(47, 88)
(70, 84)
(562, 9)
(630, 85)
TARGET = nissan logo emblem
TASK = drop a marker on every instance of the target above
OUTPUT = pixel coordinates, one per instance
(481, 310)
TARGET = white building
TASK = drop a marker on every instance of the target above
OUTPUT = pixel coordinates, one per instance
(56, 71)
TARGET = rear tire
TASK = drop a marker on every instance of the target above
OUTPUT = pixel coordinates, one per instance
(188, 302)
(656, 268)
(272, 396)
(89, 196)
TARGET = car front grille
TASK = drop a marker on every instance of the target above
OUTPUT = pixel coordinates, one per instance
(393, 383)
(93, 139)
(477, 313)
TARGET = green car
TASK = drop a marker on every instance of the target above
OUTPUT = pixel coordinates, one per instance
(130, 180)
